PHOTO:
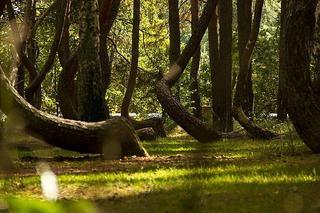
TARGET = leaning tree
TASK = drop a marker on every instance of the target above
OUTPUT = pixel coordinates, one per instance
(115, 137)
(192, 125)
(303, 103)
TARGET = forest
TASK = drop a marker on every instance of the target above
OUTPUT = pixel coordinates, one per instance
(159, 106)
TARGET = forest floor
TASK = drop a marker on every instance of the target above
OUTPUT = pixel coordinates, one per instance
(182, 175)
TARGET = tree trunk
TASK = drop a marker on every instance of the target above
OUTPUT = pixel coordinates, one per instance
(90, 85)
(115, 138)
(194, 82)
(61, 8)
(281, 99)
(241, 90)
(223, 76)
(134, 60)
(244, 8)
(303, 103)
(174, 34)
(195, 127)
(214, 61)
(32, 51)
(67, 91)
(155, 123)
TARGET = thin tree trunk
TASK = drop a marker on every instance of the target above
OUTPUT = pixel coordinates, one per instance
(223, 76)
(134, 60)
(195, 127)
(61, 12)
(214, 60)
(281, 100)
(244, 8)
(194, 72)
(174, 34)
(241, 90)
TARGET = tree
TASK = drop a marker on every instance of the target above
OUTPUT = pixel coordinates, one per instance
(281, 99)
(174, 34)
(194, 82)
(38, 77)
(195, 127)
(214, 60)
(115, 138)
(154, 125)
(244, 16)
(67, 92)
(222, 91)
(303, 103)
(90, 85)
(134, 60)
(241, 90)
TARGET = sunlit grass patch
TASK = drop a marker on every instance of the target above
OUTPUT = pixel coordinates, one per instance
(182, 175)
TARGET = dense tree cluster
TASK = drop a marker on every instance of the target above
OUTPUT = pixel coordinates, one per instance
(85, 61)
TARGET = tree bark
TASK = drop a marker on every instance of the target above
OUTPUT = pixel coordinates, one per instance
(303, 103)
(244, 15)
(134, 60)
(195, 127)
(90, 85)
(155, 123)
(194, 82)
(281, 99)
(214, 60)
(175, 37)
(223, 76)
(115, 138)
(241, 90)
(61, 8)
(67, 91)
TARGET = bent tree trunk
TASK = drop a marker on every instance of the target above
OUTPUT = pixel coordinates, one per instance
(195, 127)
(147, 129)
(241, 88)
(115, 138)
(303, 103)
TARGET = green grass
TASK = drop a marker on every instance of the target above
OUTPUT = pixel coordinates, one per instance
(181, 175)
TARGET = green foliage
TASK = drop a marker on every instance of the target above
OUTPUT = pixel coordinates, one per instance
(19, 205)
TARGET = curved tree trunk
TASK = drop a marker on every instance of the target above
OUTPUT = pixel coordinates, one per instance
(134, 60)
(303, 103)
(155, 123)
(115, 138)
(241, 88)
(33, 87)
(147, 129)
(195, 127)
(194, 72)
